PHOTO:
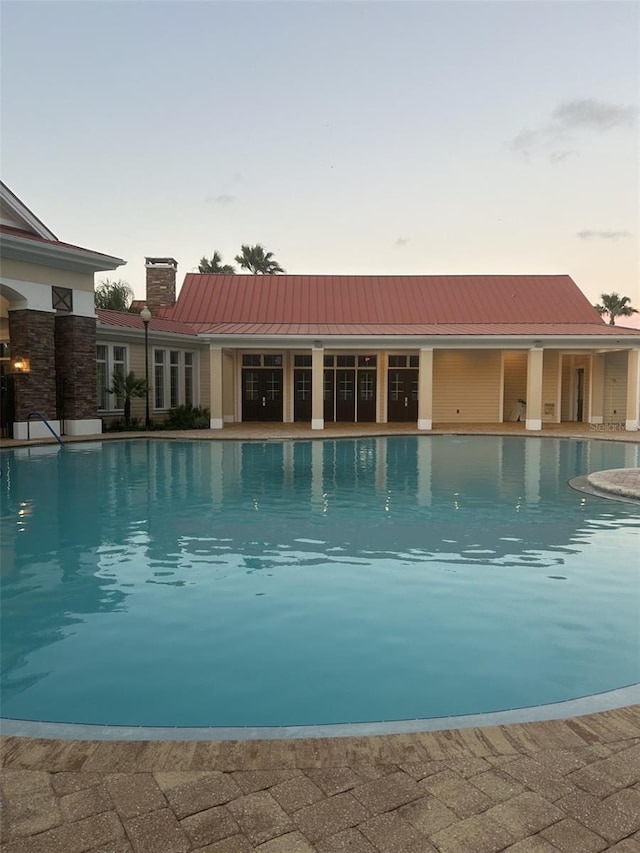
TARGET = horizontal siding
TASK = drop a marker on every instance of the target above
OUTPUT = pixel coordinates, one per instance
(515, 383)
(466, 386)
(615, 387)
(550, 387)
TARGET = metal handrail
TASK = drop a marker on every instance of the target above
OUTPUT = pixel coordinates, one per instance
(47, 424)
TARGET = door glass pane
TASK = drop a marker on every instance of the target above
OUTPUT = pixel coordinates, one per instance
(345, 387)
(366, 382)
(273, 385)
(251, 389)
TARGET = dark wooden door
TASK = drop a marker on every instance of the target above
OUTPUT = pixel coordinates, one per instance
(402, 395)
(366, 396)
(329, 396)
(345, 395)
(302, 394)
(262, 394)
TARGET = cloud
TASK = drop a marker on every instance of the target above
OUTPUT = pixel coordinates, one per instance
(603, 235)
(568, 119)
(593, 115)
(561, 156)
(402, 241)
(223, 198)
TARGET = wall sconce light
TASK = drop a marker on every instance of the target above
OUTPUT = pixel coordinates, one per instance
(20, 365)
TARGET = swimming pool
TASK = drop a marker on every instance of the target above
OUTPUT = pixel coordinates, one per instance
(283, 583)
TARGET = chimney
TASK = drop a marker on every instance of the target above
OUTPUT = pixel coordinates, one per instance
(161, 282)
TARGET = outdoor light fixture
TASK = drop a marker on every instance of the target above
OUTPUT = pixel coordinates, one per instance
(145, 316)
(20, 365)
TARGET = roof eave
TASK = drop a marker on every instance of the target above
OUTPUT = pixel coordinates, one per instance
(443, 341)
(59, 256)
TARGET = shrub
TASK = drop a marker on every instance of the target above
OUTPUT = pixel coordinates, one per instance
(188, 417)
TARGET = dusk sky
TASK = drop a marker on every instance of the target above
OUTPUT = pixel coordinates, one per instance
(346, 137)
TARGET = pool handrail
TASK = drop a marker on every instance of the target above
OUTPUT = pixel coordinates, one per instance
(47, 424)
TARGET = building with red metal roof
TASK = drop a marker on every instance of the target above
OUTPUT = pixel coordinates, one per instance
(428, 349)
(316, 349)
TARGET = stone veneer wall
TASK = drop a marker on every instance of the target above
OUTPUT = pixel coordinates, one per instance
(161, 286)
(75, 342)
(32, 336)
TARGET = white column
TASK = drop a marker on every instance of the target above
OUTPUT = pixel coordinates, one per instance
(633, 390)
(317, 388)
(425, 388)
(534, 389)
(215, 387)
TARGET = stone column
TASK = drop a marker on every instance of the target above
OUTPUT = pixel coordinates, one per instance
(215, 365)
(534, 389)
(425, 388)
(32, 336)
(317, 388)
(633, 390)
(75, 343)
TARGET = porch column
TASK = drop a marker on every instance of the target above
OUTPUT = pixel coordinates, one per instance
(317, 387)
(32, 337)
(215, 387)
(596, 393)
(534, 389)
(425, 388)
(633, 389)
(75, 342)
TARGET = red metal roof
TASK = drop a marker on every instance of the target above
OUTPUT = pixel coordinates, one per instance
(417, 329)
(127, 320)
(385, 302)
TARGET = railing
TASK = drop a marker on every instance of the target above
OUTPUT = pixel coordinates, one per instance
(46, 423)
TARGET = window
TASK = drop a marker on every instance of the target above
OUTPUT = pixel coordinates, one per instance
(173, 378)
(366, 361)
(302, 360)
(188, 378)
(414, 361)
(159, 371)
(110, 360)
(397, 361)
(251, 360)
(273, 361)
(329, 360)
(346, 361)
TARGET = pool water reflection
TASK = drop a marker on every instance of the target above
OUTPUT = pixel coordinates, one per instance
(223, 583)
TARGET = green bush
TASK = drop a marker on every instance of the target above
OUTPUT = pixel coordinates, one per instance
(188, 417)
(120, 425)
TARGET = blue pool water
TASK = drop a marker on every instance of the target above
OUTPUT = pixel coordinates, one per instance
(175, 583)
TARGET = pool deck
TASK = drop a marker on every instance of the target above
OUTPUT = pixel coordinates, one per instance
(570, 785)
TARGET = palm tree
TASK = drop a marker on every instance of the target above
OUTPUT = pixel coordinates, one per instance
(257, 261)
(126, 387)
(215, 265)
(614, 306)
(115, 295)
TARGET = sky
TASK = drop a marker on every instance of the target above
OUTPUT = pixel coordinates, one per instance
(456, 137)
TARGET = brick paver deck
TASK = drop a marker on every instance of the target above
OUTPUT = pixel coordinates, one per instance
(562, 785)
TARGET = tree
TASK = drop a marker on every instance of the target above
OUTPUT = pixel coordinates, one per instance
(116, 295)
(614, 306)
(126, 387)
(257, 261)
(215, 265)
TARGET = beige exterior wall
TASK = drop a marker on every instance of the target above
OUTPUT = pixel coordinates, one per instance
(22, 271)
(467, 386)
(615, 387)
(551, 385)
(229, 380)
(515, 383)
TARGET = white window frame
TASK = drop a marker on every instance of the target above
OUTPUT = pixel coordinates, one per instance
(174, 365)
(110, 362)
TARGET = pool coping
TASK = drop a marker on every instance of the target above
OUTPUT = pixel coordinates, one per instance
(606, 701)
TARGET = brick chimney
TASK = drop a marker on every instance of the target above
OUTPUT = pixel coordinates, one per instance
(161, 282)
